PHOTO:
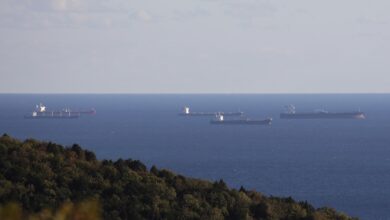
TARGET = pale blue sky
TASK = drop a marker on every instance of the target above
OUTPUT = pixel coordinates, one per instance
(194, 46)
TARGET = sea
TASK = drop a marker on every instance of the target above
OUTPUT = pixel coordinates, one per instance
(340, 163)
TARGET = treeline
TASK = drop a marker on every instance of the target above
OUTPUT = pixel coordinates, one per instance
(46, 177)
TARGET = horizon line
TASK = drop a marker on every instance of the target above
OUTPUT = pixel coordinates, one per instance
(199, 93)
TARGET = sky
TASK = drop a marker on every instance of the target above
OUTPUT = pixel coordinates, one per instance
(194, 46)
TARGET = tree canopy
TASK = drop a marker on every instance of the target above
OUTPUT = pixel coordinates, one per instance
(43, 177)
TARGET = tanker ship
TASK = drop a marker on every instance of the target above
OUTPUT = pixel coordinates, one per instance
(186, 112)
(220, 120)
(40, 112)
(320, 114)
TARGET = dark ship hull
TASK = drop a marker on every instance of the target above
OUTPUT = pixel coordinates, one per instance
(212, 113)
(323, 115)
(67, 111)
(242, 122)
(52, 115)
(88, 112)
(186, 112)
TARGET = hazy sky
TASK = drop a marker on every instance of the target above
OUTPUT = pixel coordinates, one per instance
(194, 46)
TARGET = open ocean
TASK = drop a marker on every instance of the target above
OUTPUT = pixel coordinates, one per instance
(344, 164)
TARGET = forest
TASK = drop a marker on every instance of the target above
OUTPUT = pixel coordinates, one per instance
(44, 180)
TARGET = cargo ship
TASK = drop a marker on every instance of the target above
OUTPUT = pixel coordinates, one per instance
(320, 114)
(186, 112)
(220, 120)
(40, 112)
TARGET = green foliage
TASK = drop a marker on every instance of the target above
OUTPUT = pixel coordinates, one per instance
(47, 180)
(86, 210)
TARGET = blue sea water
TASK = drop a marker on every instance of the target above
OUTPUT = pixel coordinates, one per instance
(343, 164)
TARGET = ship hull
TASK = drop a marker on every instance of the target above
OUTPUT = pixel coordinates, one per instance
(90, 112)
(53, 115)
(346, 115)
(211, 114)
(242, 122)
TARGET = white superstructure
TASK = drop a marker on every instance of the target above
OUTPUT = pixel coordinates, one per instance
(41, 108)
(186, 110)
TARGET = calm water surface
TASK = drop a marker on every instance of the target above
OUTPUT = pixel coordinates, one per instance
(344, 164)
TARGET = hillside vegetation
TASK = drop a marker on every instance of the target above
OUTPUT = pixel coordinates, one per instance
(40, 180)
